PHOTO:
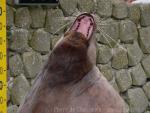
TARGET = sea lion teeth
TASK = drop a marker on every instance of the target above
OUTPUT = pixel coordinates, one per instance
(83, 24)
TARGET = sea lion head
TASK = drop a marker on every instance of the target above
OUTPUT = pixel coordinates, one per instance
(82, 31)
(75, 53)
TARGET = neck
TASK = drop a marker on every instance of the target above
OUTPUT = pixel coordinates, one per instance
(67, 64)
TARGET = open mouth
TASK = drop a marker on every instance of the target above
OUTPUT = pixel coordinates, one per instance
(84, 24)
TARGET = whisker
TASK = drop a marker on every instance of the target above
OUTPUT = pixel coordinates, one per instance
(102, 23)
(117, 43)
(105, 37)
(62, 27)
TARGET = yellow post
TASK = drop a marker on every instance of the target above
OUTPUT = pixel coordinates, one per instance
(3, 58)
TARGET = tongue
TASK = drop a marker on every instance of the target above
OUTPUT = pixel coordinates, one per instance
(84, 26)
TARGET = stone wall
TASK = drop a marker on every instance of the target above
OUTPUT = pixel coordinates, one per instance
(123, 46)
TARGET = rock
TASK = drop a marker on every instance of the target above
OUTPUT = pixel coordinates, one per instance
(104, 8)
(128, 31)
(147, 112)
(55, 22)
(107, 71)
(10, 16)
(108, 32)
(20, 40)
(104, 54)
(68, 7)
(19, 89)
(138, 75)
(146, 65)
(16, 65)
(114, 85)
(120, 10)
(134, 54)
(120, 59)
(146, 88)
(145, 15)
(54, 41)
(124, 80)
(40, 41)
(137, 100)
(38, 15)
(32, 62)
(86, 5)
(144, 39)
(134, 13)
(12, 109)
(23, 18)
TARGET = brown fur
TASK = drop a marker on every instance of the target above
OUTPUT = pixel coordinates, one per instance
(71, 83)
(69, 61)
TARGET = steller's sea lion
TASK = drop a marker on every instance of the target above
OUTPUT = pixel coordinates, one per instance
(70, 82)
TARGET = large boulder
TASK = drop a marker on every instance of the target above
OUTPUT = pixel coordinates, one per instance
(120, 10)
(104, 54)
(107, 71)
(124, 80)
(68, 7)
(104, 8)
(108, 32)
(146, 88)
(32, 62)
(20, 39)
(135, 54)
(55, 21)
(145, 15)
(23, 18)
(19, 89)
(134, 13)
(146, 65)
(128, 31)
(16, 65)
(40, 41)
(38, 15)
(120, 59)
(137, 100)
(144, 39)
(138, 75)
(86, 5)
